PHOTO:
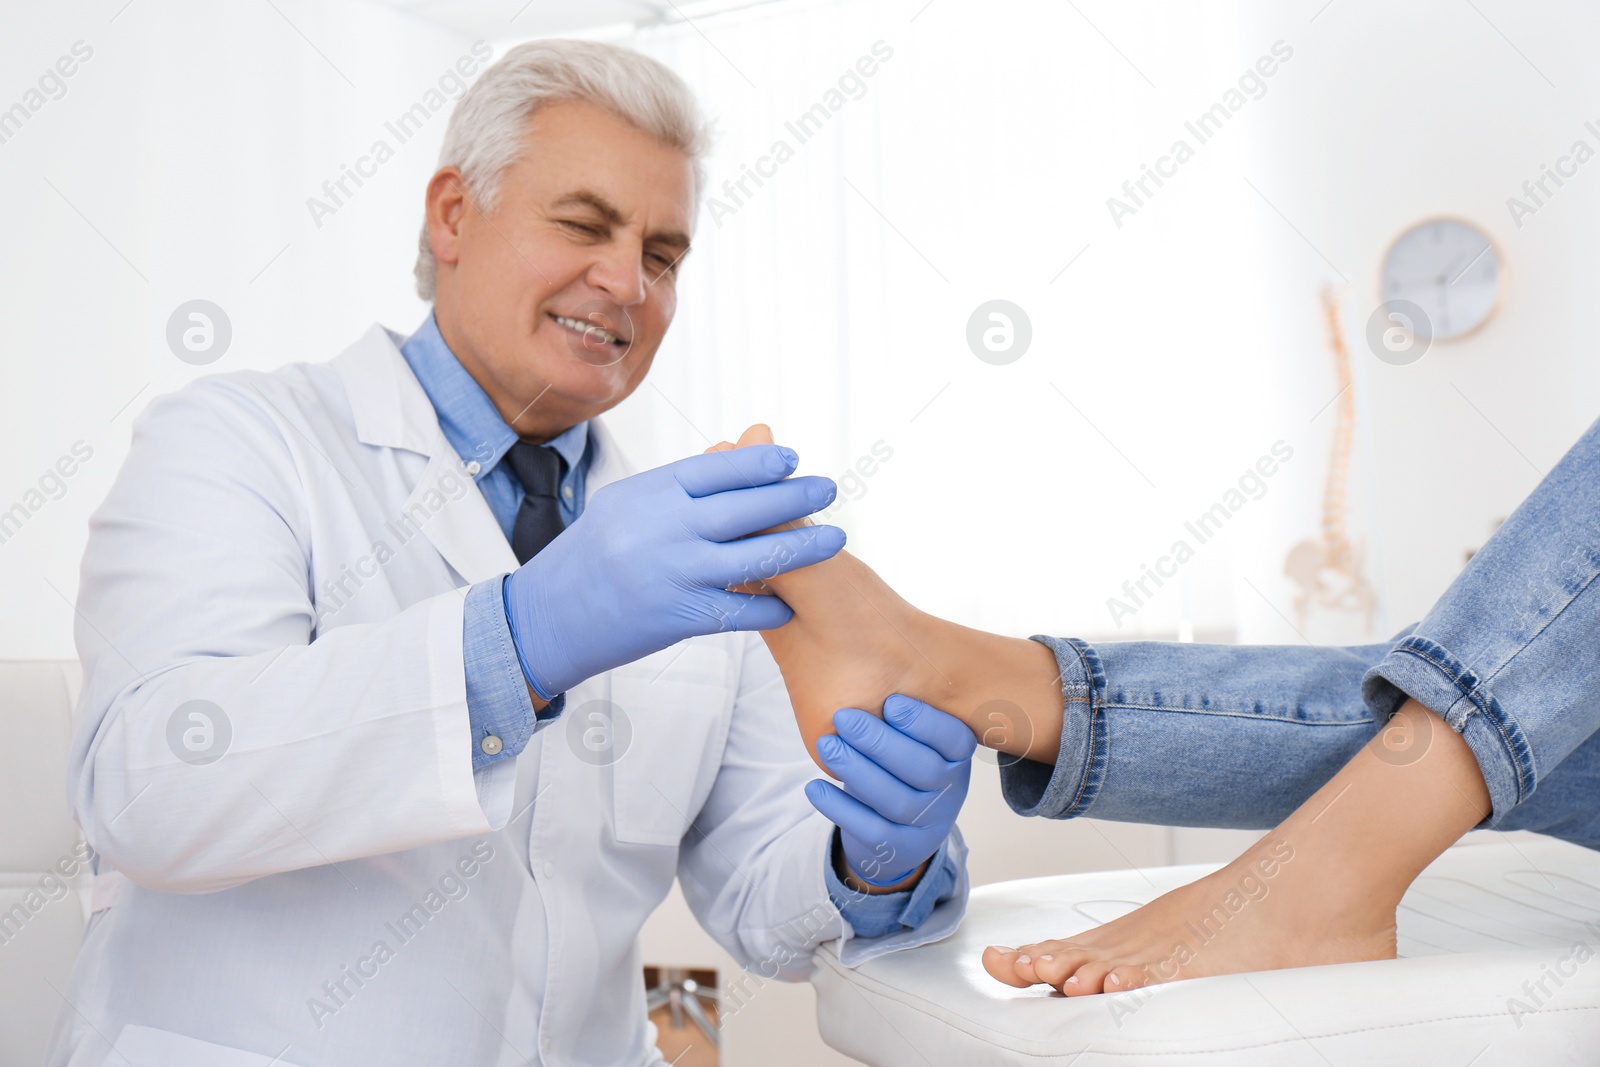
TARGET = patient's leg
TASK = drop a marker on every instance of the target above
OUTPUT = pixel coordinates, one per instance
(1505, 661)
(1222, 736)
(853, 641)
(1228, 736)
(1321, 888)
(1268, 727)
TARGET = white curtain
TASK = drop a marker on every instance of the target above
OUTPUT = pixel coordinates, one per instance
(176, 163)
(975, 163)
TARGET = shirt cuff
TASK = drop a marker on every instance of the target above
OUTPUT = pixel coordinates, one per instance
(498, 704)
(874, 915)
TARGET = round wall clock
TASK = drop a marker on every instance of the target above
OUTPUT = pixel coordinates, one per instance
(1451, 270)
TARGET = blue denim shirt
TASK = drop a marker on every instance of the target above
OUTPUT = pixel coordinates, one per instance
(498, 703)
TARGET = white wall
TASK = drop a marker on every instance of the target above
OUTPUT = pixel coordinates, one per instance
(177, 166)
(1190, 336)
(1393, 113)
(179, 161)
(974, 165)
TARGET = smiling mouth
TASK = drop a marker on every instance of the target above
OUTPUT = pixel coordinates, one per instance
(592, 333)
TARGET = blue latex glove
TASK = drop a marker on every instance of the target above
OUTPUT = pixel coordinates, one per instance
(905, 777)
(650, 560)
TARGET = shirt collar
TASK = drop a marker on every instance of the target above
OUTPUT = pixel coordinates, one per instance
(571, 444)
(467, 416)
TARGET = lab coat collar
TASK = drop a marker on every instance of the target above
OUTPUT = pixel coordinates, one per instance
(391, 410)
(388, 404)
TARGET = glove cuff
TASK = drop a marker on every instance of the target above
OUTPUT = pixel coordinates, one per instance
(516, 643)
(843, 853)
(886, 883)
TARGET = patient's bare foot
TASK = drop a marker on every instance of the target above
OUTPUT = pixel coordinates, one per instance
(854, 641)
(1321, 888)
(851, 644)
(846, 646)
(1272, 907)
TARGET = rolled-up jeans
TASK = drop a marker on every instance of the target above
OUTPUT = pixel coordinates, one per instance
(1239, 736)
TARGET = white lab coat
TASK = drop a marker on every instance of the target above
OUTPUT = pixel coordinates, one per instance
(340, 887)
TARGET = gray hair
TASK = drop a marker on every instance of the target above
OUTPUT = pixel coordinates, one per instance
(489, 125)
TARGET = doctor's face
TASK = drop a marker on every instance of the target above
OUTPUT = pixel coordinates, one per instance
(557, 300)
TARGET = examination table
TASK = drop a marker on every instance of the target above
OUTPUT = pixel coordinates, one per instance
(1498, 944)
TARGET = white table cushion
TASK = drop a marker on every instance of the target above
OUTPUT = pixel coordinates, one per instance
(1479, 932)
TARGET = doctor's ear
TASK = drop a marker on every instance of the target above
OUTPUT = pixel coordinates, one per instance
(447, 205)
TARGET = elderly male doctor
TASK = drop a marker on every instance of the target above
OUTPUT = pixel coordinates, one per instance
(405, 700)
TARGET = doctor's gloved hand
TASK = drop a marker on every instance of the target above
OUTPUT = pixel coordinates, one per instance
(905, 777)
(651, 559)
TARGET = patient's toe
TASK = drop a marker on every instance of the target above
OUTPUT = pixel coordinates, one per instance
(1125, 977)
(999, 962)
(1089, 978)
(1053, 967)
(1042, 960)
(757, 434)
(1023, 964)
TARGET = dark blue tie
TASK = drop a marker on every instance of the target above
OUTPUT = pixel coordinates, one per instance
(540, 470)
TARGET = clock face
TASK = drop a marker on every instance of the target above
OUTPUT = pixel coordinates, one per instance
(1450, 270)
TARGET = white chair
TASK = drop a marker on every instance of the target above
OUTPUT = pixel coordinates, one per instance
(42, 912)
(1500, 964)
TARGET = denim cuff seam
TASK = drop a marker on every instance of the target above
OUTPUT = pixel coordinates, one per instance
(1090, 766)
(1473, 695)
(1094, 756)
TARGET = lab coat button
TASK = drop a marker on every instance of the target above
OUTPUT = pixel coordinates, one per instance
(474, 467)
(549, 869)
(491, 745)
